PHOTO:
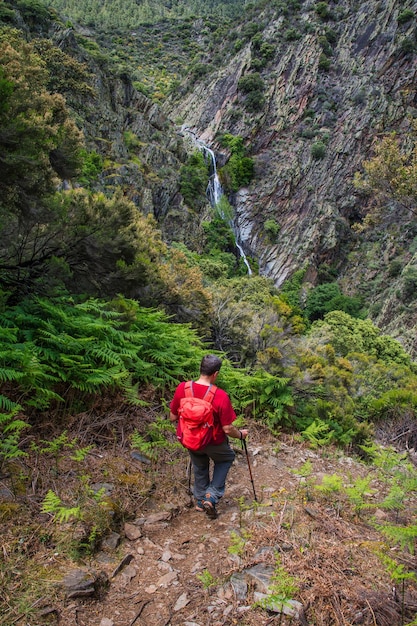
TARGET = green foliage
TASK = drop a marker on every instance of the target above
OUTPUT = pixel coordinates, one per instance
(405, 16)
(38, 140)
(323, 10)
(237, 545)
(328, 297)
(324, 64)
(92, 166)
(252, 85)
(272, 228)
(407, 45)
(155, 439)
(218, 235)
(11, 428)
(347, 335)
(291, 288)
(409, 290)
(239, 169)
(359, 492)
(52, 504)
(60, 346)
(330, 485)
(207, 579)
(318, 150)
(405, 536)
(318, 433)
(393, 404)
(282, 588)
(264, 396)
(292, 34)
(194, 179)
(250, 321)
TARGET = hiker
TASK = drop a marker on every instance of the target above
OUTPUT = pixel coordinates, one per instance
(208, 492)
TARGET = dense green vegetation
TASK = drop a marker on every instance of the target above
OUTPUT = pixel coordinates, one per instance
(62, 244)
(96, 307)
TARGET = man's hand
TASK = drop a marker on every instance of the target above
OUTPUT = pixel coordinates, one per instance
(232, 431)
(173, 417)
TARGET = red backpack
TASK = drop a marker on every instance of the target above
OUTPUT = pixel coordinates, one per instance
(195, 424)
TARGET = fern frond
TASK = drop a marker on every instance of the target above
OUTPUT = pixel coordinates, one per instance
(8, 405)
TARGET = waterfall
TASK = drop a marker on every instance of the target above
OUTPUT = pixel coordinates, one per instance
(214, 193)
(214, 189)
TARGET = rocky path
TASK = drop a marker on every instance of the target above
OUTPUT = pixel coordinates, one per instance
(175, 566)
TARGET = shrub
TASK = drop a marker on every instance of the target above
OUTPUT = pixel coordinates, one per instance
(324, 62)
(318, 150)
(272, 228)
(92, 166)
(193, 179)
(407, 45)
(395, 268)
(292, 34)
(405, 16)
(251, 83)
(254, 101)
(323, 11)
(328, 297)
(409, 291)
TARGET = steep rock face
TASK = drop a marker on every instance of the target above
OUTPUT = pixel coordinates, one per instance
(141, 150)
(332, 88)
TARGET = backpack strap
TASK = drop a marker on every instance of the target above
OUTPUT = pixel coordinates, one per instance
(189, 391)
(209, 395)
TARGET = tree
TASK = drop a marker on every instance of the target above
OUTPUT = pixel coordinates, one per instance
(328, 297)
(39, 143)
(391, 173)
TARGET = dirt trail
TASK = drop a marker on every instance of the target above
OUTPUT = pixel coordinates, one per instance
(183, 561)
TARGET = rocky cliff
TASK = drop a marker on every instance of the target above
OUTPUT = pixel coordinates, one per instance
(336, 77)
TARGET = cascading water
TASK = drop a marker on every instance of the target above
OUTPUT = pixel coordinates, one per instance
(214, 194)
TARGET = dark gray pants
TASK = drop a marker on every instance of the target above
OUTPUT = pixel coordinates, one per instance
(222, 456)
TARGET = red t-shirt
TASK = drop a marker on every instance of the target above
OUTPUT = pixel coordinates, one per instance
(222, 408)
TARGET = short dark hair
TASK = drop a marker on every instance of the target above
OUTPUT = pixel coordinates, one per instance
(210, 364)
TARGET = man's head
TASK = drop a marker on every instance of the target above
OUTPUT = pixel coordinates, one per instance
(210, 364)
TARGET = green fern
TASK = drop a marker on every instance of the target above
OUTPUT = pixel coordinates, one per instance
(358, 493)
(10, 434)
(318, 433)
(330, 484)
(53, 504)
(406, 536)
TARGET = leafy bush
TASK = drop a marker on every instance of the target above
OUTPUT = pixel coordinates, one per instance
(251, 83)
(409, 290)
(351, 335)
(328, 297)
(323, 11)
(405, 16)
(318, 150)
(292, 34)
(239, 170)
(324, 62)
(272, 228)
(92, 166)
(407, 45)
(194, 178)
(395, 268)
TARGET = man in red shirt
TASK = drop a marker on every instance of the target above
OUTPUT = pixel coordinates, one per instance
(208, 492)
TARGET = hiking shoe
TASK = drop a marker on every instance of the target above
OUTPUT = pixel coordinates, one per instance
(209, 505)
(199, 505)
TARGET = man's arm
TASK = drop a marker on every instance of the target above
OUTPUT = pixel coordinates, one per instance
(232, 431)
(173, 417)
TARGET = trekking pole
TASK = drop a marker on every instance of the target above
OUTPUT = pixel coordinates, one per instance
(249, 467)
(188, 475)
